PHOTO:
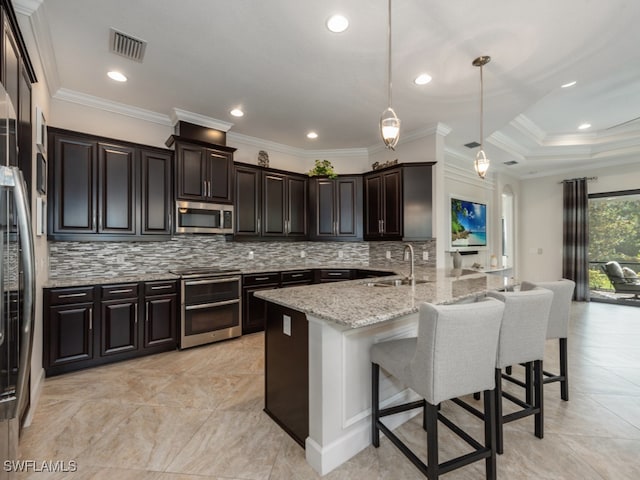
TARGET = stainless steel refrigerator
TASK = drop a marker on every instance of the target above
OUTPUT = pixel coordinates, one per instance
(17, 279)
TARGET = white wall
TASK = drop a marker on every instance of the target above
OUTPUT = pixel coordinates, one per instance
(540, 213)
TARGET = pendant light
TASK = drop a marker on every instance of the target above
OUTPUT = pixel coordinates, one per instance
(482, 162)
(389, 121)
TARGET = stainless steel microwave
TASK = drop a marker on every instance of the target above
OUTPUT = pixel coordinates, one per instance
(200, 217)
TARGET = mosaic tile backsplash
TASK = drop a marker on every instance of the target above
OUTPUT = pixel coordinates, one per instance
(100, 259)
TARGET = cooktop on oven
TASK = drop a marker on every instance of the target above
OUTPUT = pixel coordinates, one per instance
(210, 308)
(204, 271)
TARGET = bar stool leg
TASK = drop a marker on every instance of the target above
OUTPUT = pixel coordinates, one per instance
(528, 375)
(564, 383)
(538, 382)
(498, 412)
(432, 441)
(490, 433)
(375, 404)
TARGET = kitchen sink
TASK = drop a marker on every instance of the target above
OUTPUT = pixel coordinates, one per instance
(398, 282)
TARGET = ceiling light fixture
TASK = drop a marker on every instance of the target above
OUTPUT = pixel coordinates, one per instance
(422, 79)
(237, 112)
(584, 126)
(482, 162)
(312, 135)
(567, 85)
(337, 23)
(117, 76)
(389, 121)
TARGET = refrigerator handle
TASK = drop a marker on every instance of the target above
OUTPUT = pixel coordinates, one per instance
(28, 259)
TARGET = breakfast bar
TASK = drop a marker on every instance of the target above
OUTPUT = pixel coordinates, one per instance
(317, 341)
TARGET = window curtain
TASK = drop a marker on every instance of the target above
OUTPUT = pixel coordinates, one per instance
(575, 244)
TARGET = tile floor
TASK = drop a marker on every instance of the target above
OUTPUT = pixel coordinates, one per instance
(197, 414)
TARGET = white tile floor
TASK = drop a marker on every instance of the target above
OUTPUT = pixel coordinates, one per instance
(197, 414)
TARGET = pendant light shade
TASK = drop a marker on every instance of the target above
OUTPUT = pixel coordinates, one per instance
(481, 163)
(389, 121)
(390, 128)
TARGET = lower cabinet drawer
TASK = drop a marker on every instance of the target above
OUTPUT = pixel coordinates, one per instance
(63, 296)
(297, 276)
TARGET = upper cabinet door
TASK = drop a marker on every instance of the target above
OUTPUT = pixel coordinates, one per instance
(273, 204)
(192, 171)
(336, 208)
(117, 189)
(348, 207)
(247, 204)
(72, 186)
(157, 199)
(373, 206)
(296, 205)
(219, 188)
(392, 204)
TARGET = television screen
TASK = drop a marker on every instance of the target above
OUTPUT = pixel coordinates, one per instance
(468, 223)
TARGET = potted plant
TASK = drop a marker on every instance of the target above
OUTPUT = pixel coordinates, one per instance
(323, 168)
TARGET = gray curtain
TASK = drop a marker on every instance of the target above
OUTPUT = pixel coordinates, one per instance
(575, 244)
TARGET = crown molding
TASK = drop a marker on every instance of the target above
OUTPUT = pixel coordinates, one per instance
(529, 129)
(183, 115)
(26, 7)
(460, 173)
(507, 144)
(72, 96)
(438, 129)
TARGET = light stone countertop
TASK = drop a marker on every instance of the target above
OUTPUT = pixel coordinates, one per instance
(84, 280)
(355, 304)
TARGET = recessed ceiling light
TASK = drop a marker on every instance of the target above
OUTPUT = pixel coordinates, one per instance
(236, 112)
(567, 85)
(312, 135)
(584, 126)
(337, 23)
(422, 79)
(117, 76)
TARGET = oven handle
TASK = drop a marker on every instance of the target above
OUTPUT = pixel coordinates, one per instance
(219, 280)
(211, 305)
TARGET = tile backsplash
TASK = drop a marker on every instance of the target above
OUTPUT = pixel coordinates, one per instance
(100, 259)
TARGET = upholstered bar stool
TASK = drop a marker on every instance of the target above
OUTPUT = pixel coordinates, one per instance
(454, 354)
(558, 327)
(522, 339)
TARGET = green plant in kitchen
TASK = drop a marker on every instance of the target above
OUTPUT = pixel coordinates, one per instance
(323, 168)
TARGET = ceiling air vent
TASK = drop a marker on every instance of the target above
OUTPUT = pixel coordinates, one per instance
(126, 45)
(472, 144)
(511, 162)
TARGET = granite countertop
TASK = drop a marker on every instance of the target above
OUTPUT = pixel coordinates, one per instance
(83, 280)
(356, 304)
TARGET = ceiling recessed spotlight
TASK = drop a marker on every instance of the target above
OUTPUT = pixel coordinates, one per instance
(117, 76)
(422, 79)
(567, 85)
(312, 135)
(236, 112)
(584, 126)
(337, 23)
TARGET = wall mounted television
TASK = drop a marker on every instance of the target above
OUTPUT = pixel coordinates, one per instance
(468, 224)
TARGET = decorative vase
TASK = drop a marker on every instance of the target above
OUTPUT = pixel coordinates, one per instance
(263, 158)
(494, 261)
(457, 259)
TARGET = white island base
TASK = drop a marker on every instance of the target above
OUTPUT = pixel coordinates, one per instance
(340, 388)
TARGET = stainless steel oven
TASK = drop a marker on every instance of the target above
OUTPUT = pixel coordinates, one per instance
(201, 217)
(210, 306)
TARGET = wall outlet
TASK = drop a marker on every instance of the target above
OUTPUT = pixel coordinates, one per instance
(425, 255)
(340, 254)
(120, 258)
(388, 255)
(286, 325)
(251, 255)
(303, 254)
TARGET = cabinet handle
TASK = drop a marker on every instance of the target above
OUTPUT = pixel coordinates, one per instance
(90, 318)
(135, 312)
(260, 279)
(335, 227)
(146, 313)
(382, 221)
(161, 287)
(379, 226)
(208, 188)
(204, 188)
(258, 225)
(335, 274)
(69, 295)
(296, 275)
(125, 290)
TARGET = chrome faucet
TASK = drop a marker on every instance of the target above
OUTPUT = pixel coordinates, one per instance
(412, 277)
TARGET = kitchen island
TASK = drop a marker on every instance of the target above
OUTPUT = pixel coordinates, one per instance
(317, 341)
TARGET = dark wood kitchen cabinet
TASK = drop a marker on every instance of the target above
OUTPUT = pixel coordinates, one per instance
(253, 308)
(398, 203)
(335, 208)
(269, 203)
(119, 319)
(160, 314)
(104, 189)
(68, 327)
(97, 324)
(204, 172)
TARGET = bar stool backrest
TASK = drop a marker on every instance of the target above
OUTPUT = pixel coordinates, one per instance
(560, 307)
(524, 325)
